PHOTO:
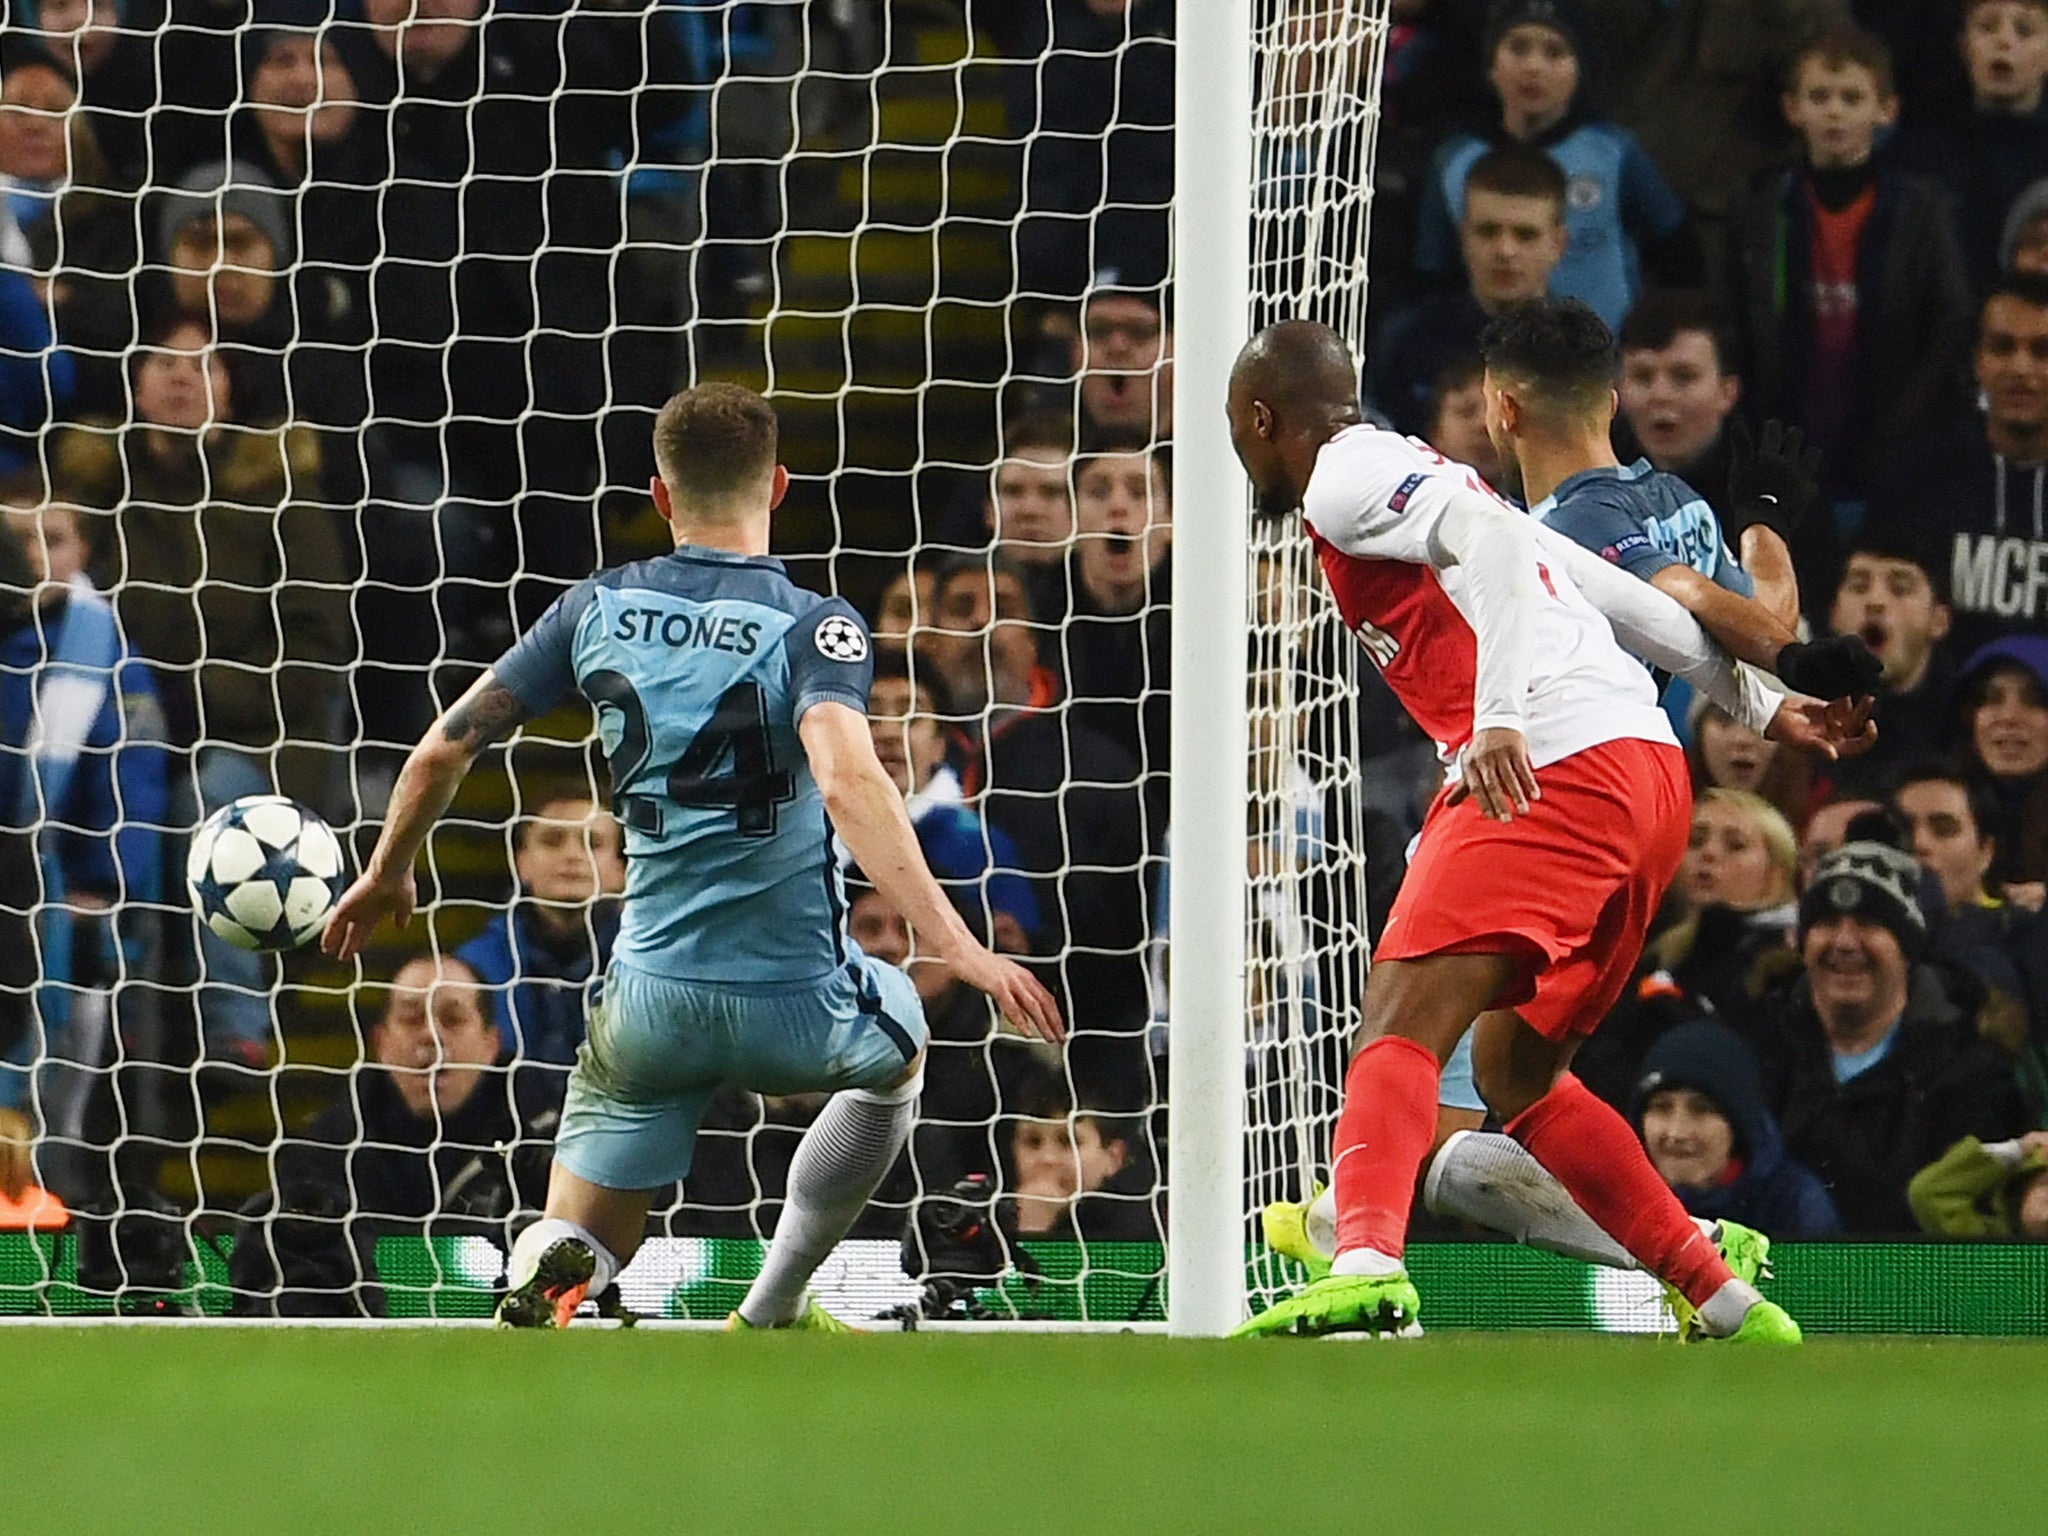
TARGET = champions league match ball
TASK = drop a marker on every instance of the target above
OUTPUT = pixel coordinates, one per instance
(264, 872)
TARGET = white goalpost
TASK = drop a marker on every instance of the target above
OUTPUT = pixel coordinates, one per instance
(1271, 211)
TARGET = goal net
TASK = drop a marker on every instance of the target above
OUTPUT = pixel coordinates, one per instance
(332, 343)
(1314, 120)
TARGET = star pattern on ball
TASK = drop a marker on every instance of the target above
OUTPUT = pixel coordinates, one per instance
(264, 872)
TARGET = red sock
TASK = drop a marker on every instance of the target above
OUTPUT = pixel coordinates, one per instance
(1594, 1155)
(1383, 1135)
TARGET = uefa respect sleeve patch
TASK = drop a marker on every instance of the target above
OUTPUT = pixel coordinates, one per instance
(1622, 548)
(1398, 502)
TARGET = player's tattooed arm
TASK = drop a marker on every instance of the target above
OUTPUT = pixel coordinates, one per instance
(425, 788)
(482, 715)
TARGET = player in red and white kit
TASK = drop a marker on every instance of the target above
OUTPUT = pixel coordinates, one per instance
(1541, 863)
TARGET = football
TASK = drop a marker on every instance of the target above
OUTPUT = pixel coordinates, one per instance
(264, 872)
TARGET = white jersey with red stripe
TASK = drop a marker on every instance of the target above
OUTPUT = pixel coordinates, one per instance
(1372, 505)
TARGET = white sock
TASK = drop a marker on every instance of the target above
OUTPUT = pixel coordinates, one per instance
(536, 1239)
(1452, 1189)
(841, 1159)
(1726, 1308)
(1491, 1179)
(1365, 1261)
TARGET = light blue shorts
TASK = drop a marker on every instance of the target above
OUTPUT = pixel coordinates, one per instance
(659, 1048)
(1458, 1089)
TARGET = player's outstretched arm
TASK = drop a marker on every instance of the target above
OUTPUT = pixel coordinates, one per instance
(867, 811)
(1656, 628)
(432, 773)
(1838, 666)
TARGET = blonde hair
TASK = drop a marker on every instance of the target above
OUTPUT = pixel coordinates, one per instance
(1770, 824)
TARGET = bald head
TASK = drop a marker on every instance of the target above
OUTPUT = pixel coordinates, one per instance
(1292, 389)
(1298, 367)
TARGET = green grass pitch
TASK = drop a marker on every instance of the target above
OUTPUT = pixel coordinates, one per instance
(305, 1433)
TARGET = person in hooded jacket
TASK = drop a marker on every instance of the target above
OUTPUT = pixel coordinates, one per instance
(1983, 486)
(1699, 1107)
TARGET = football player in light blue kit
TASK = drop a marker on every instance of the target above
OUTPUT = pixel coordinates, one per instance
(732, 707)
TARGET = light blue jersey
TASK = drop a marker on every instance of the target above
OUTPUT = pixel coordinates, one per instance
(700, 664)
(1644, 521)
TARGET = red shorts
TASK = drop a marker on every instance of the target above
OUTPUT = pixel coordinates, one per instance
(1571, 887)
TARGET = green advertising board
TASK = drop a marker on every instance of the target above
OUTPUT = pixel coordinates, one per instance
(1840, 1287)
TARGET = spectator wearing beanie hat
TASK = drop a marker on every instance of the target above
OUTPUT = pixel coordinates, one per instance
(1699, 1107)
(1623, 219)
(1870, 1064)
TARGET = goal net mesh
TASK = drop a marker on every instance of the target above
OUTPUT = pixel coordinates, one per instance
(332, 341)
(1314, 121)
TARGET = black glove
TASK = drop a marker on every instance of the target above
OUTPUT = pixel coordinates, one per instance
(1771, 480)
(1839, 667)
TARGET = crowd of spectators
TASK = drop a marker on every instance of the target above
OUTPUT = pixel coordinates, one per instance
(321, 326)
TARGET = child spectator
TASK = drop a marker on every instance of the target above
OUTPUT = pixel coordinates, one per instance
(1679, 389)
(1623, 218)
(540, 959)
(1457, 419)
(1700, 1111)
(1076, 1172)
(1896, 597)
(1985, 1189)
(2005, 718)
(1511, 233)
(1987, 156)
(1850, 287)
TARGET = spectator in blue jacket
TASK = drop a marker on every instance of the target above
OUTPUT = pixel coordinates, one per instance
(538, 960)
(1623, 219)
(1699, 1107)
(977, 864)
(82, 774)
